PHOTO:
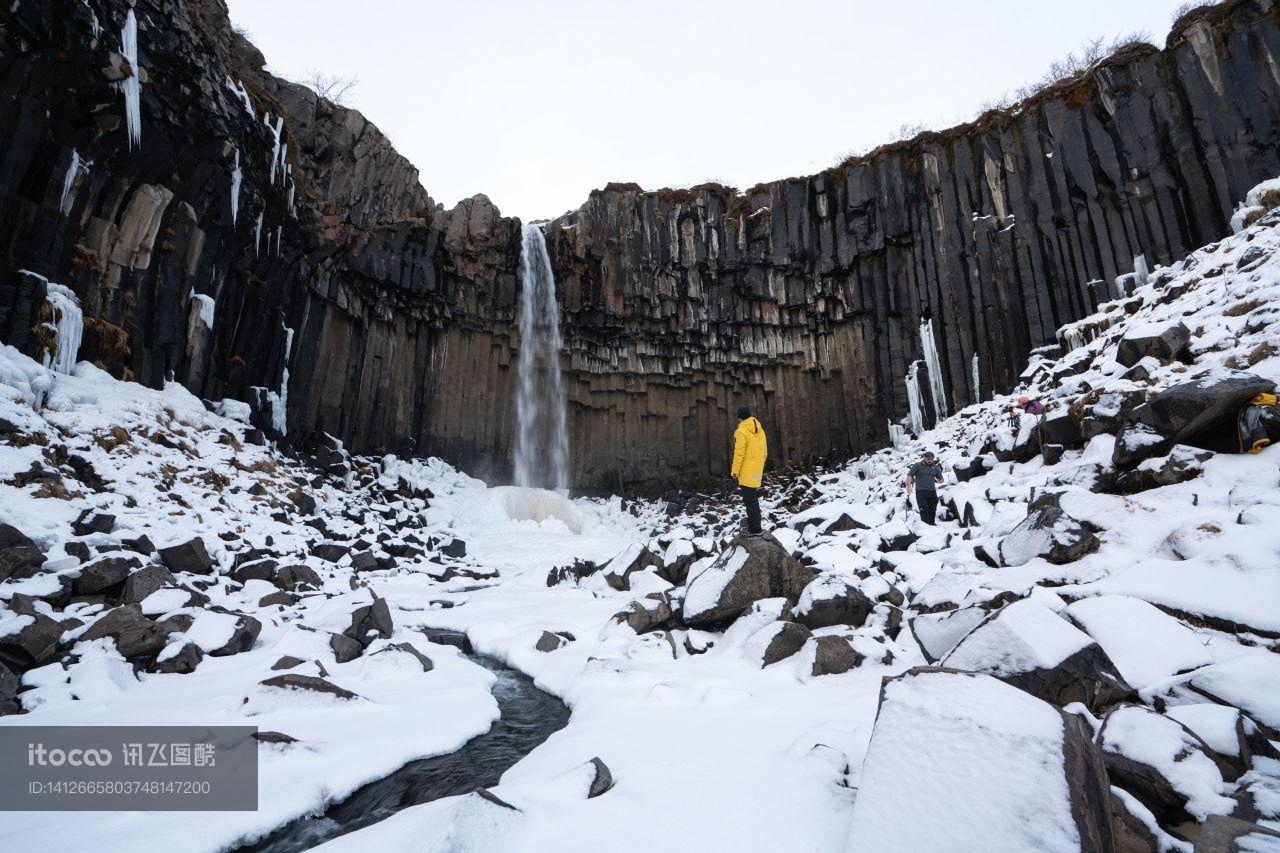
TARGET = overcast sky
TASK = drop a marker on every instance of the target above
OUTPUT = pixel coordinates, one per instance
(536, 102)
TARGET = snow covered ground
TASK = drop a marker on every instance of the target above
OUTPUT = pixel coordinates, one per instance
(1117, 613)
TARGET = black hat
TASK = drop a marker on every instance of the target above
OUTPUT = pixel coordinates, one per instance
(928, 454)
(744, 412)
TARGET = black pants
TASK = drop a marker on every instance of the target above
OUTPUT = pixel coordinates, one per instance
(751, 497)
(927, 500)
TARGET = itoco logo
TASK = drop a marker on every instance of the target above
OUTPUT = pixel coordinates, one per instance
(38, 756)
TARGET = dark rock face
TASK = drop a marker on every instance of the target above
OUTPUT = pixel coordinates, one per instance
(135, 635)
(19, 556)
(184, 661)
(803, 296)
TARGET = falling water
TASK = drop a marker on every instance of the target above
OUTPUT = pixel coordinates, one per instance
(542, 448)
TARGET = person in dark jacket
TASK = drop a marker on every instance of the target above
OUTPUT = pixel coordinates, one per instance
(924, 477)
(750, 449)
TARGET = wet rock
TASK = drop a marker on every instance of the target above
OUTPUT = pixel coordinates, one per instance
(103, 574)
(1167, 343)
(749, 570)
(188, 557)
(292, 681)
(19, 556)
(788, 638)
(185, 660)
(830, 600)
(135, 635)
(834, 655)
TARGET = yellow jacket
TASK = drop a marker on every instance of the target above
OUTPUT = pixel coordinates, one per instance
(750, 449)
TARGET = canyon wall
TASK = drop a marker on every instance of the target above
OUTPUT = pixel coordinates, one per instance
(346, 298)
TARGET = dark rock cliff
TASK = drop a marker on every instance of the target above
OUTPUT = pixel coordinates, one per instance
(803, 296)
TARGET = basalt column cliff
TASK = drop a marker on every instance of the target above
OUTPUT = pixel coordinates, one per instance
(236, 233)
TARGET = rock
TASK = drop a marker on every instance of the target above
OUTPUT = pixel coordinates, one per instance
(91, 521)
(103, 574)
(1138, 441)
(292, 681)
(287, 662)
(364, 561)
(975, 467)
(634, 558)
(939, 633)
(409, 649)
(576, 572)
(830, 600)
(914, 796)
(833, 655)
(787, 639)
(185, 660)
(142, 544)
(33, 644)
(344, 648)
(370, 622)
(188, 557)
(274, 737)
(305, 503)
(1062, 430)
(1223, 834)
(135, 635)
(749, 570)
(549, 642)
(1180, 465)
(297, 577)
(255, 570)
(601, 781)
(1029, 646)
(19, 556)
(456, 549)
(1167, 768)
(1047, 532)
(648, 614)
(1167, 343)
(79, 550)
(1131, 833)
(144, 582)
(330, 552)
(242, 638)
(9, 685)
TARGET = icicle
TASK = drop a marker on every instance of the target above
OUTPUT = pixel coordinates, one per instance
(237, 88)
(284, 151)
(1140, 270)
(279, 228)
(897, 435)
(280, 402)
(236, 178)
(977, 380)
(257, 235)
(131, 86)
(1073, 338)
(275, 148)
(934, 366)
(915, 410)
(94, 26)
(292, 210)
(69, 182)
(68, 326)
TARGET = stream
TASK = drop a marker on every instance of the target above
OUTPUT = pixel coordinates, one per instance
(528, 717)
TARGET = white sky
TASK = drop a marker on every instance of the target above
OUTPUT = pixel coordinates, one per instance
(536, 102)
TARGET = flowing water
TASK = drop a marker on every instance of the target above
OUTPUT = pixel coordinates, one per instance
(542, 445)
(529, 716)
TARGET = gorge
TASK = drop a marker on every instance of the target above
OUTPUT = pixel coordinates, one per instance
(151, 165)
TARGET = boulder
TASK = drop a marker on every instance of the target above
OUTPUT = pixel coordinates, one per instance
(576, 572)
(1062, 430)
(135, 635)
(255, 570)
(145, 581)
(287, 662)
(330, 552)
(1223, 834)
(601, 780)
(939, 633)
(370, 622)
(344, 648)
(1180, 465)
(651, 613)
(280, 598)
(90, 522)
(305, 503)
(293, 681)
(1013, 772)
(975, 467)
(1033, 648)
(830, 600)
(188, 557)
(19, 556)
(243, 635)
(33, 644)
(1165, 342)
(833, 655)
(456, 549)
(749, 570)
(296, 577)
(1047, 532)
(634, 558)
(409, 649)
(274, 737)
(9, 684)
(103, 574)
(185, 659)
(549, 642)
(787, 639)
(1137, 441)
(1132, 832)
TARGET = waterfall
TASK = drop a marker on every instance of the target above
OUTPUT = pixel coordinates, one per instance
(915, 408)
(934, 366)
(68, 328)
(542, 447)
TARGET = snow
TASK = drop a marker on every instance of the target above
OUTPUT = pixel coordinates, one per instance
(237, 88)
(1213, 724)
(204, 306)
(705, 589)
(1024, 636)
(1147, 646)
(963, 762)
(1248, 682)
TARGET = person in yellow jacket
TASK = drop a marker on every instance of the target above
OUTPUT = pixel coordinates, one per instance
(750, 449)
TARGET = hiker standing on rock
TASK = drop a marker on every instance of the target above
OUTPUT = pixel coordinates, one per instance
(924, 477)
(750, 449)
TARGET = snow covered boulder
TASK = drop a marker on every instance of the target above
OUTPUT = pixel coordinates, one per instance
(1180, 465)
(1171, 771)
(939, 633)
(549, 642)
(28, 640)
(1147, 645)
(1248, 682)
(634, 558)
(370, 622)
(1221, 834)
(1047, 532)
(135, 635)
(19, 556)
(833, 654)
(831, 600)
(1166, 342)
(1234, 738)
(290, 681)
(103, 574)
(142, 583)
(654, 612)
(188, 557)
(959, 761)
(1033, 648)
(749, 570)
(780, 640)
